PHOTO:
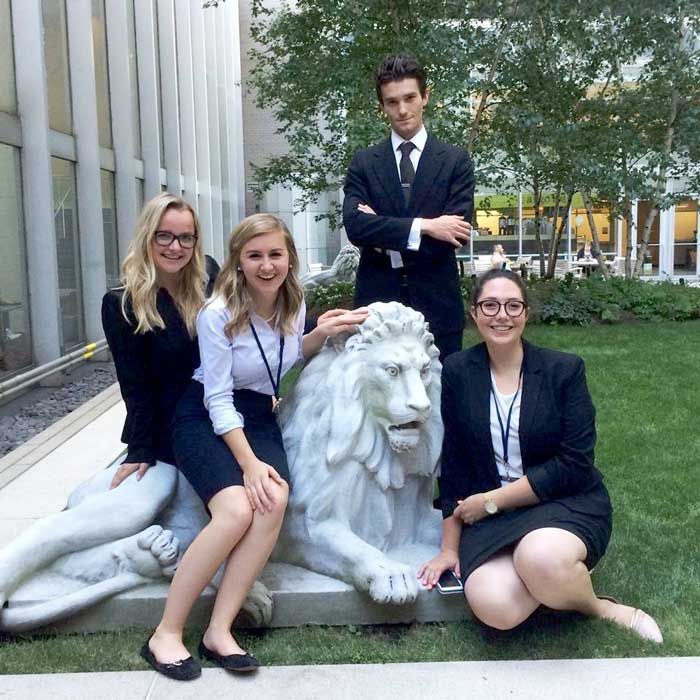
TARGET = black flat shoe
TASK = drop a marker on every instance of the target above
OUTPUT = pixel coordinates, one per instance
(185, 670)
(238, 663)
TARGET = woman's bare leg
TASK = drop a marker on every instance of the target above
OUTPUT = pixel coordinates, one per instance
(497, 595)
(231, 518)
(550, 561)
(244, 565)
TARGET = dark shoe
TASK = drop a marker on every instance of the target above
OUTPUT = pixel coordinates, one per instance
(185, 670)
(239, 663)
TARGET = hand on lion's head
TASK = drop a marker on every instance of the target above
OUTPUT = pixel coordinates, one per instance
(372, 398)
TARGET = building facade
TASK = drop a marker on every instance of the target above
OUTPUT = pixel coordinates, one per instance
(103, 104)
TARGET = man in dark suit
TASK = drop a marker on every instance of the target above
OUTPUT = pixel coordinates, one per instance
(408, 201)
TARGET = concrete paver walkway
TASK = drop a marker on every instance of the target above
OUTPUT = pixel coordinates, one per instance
(604, 679)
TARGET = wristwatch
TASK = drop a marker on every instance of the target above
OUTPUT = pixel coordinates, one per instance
(490, 505)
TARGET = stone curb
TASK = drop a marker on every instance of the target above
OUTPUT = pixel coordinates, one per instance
(580, 679)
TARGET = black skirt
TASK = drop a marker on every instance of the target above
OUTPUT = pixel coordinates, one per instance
(588, 516)
(205, 459)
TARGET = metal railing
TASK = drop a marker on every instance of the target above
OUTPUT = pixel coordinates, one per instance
(16, 385)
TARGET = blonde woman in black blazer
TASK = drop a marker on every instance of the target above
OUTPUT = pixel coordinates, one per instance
(149, 324)
(526, 513)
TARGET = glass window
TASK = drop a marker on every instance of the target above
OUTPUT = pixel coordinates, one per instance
(68, 253)
(56, 56)
(15, 337)
(496, 218)
(99, 52)
(134, 78)
(109, 227)
(8, 98)
(605, 223)
(685, 238)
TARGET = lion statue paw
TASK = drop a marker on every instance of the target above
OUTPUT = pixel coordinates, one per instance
(392, 582)
(152, 553)
(258, 604)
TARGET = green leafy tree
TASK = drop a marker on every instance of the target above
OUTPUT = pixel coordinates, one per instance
(314, 68)
(537, 92)
(642, 124)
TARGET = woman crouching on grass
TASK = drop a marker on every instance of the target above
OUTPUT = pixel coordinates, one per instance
(526, 514)
(227, 441)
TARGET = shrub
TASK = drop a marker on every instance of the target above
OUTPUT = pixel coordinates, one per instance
(569, 301)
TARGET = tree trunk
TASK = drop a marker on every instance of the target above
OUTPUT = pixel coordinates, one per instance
(628, 247)
(594, 233)
(643, 245)
(556, 238)
(538, 222)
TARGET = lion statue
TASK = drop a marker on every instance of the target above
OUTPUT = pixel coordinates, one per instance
(106, 541)
(343, 269)
(363, 435)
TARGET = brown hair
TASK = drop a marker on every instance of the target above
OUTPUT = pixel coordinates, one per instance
(395, 68)
(494, 274)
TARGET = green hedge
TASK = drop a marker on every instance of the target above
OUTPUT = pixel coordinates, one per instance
(569, 301)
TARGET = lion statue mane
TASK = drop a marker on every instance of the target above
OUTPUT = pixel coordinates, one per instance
(363, 435)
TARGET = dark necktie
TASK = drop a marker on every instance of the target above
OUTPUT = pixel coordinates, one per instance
(408, 174)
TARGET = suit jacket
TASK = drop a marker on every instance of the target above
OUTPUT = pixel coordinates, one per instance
(153, 370)
(444, 184)
(557, 430)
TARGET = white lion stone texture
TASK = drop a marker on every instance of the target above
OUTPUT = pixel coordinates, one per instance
(363, 435)
(343, 269)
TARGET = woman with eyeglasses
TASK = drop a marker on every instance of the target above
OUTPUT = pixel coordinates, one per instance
(149, 324)
(526, 515)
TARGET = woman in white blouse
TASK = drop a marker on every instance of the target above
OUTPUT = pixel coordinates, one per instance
(226, 438)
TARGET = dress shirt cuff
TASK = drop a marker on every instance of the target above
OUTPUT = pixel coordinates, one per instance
(224, 420)
(414, 235)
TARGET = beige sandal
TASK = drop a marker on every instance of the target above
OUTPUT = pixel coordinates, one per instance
(641, 623)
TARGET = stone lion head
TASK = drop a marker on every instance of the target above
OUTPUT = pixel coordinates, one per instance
(346, 262)
(371, 399)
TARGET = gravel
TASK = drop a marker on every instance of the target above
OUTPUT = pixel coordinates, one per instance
(19, 426)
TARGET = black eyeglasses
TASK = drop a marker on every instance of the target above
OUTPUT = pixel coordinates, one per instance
(492, 307)
(186, 240)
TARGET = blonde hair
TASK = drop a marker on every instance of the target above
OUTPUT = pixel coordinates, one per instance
(231, 284)
(139, 275)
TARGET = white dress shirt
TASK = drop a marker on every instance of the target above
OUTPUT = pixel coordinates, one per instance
(419, 141)
(228, 363)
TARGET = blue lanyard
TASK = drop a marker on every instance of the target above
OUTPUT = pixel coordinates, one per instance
(275, 385)
(506, 432)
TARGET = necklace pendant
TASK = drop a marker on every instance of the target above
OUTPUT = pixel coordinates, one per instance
(276, 404)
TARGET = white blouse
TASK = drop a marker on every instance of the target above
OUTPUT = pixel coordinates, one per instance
(515, 460)
(228, 363)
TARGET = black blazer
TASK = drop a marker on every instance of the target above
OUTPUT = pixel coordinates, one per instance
(444, 184)
(153, 370)
(557, 430)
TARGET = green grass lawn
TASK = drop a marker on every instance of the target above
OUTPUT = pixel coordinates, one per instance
(645, 381)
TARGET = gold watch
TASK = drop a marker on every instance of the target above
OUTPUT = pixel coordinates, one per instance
(490, 505)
